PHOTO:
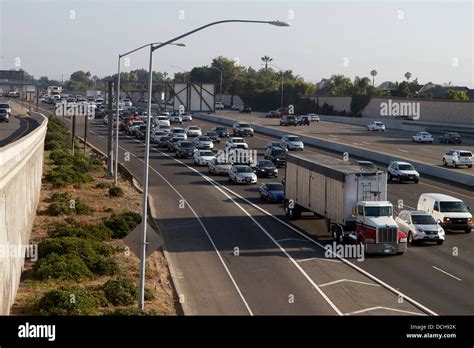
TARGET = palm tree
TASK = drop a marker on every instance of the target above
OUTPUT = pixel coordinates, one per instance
(407, 76)
(266, 60)
(373, 73)
(361, 85)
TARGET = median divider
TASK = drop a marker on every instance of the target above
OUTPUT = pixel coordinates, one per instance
(426, 169)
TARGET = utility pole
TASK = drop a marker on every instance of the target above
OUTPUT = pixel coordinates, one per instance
(86, 130)
(110, 118)
(73, 135)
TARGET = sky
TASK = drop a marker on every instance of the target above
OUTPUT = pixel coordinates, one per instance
(431, 39)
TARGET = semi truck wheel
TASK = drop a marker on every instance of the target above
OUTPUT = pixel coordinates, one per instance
(337, 234)
(292, 213)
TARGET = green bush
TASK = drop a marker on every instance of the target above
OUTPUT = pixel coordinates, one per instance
(115, 191)
(131, 312)
(62, 205)
(68, 301)
(94, 232)
(73, 245)
(120, 292)
(62, 267)
(101, 265)
(122, 224)
(65, 175)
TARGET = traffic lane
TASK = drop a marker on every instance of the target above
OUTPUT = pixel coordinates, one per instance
(391, 142)
(259, 262)
(410, 193)
(18, 126)
(348, 287)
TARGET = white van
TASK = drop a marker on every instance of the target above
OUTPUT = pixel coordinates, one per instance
(451, 212)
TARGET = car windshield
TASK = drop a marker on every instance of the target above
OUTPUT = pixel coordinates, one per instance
(378, 211)
(204, 139)
(465, 154)
(275, 187)
(178, 130)
(238, 140)
(244, 125)
(453, 135)
(186, 144)
(405, 167)
(163, 118)
(206, 153)
(279, 153)
(4, 106)
(211, 134)
(293, 139)
(423, 220)
(265, 163)
(453, 207)
(244, 169)
(220, 129)
(193, 128)
(378, 123)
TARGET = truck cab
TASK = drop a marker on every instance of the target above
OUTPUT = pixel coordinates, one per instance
(376, 228)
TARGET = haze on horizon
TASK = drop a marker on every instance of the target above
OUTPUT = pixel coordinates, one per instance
(432, 40)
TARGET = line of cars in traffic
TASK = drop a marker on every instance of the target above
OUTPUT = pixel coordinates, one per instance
(434, 213)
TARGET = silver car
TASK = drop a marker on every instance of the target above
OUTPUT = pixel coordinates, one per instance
(219, 166)
(242, 174)
(292, 142)
(420, 226)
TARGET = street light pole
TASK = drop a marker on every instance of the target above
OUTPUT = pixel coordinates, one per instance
(141, 297)
(281, 72)
(117, 102)
(220, 86)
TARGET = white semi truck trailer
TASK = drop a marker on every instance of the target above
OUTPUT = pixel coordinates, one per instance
(351, 198)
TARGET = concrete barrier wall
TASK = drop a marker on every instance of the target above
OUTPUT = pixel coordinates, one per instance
(431, 110)
(429, 170)
(21, 169)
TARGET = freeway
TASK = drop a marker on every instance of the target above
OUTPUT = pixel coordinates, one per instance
(18, 126)
(275, 261)
(279, 270)
(391, 142)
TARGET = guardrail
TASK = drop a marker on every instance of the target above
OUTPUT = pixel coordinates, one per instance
(428, 170)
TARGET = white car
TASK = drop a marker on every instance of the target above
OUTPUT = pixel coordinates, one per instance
(219, 106)
(242, 174)
(236, 143)
(165, 129)
(179, 133)
(402, 171)
(162, 121)
(203, 157)
(458, 158)
(193, 131)
(376, 126)
(313, 117)
(164, 113)
(292, 142)
(218, 166)
(422, 137)
(127, 103)
(420, 226)
(186, 116)
(176, 119)
(203, 142)
(7, 107)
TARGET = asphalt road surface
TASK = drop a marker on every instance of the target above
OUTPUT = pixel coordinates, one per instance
(231, 253)
(20, 124)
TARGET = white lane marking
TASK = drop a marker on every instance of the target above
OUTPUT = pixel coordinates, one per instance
(286, 239)
(449, 274)
(199, 220)
(350, 264)
(348, 280)
(219, 188)
(357, 143)
(318, 258)
(403, 150)
(385, 308)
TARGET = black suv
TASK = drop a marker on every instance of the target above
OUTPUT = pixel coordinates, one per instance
(184, 149)
(303, 120)
(214, 137)
(277, 155)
